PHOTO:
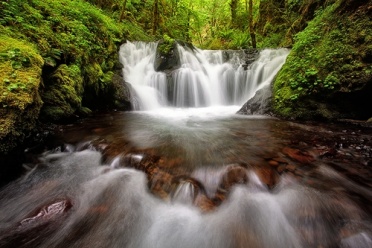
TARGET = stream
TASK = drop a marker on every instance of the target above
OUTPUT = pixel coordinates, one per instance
(190, 172)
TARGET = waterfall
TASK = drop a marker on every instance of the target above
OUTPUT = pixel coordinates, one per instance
(204, 79)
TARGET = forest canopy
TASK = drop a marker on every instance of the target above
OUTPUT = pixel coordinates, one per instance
(216, 24)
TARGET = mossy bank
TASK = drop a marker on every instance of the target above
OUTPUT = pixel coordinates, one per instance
(20, 80)
(58, 58)
(328, 74)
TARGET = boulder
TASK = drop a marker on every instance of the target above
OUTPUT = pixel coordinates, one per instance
(259, 104)
(167, 57)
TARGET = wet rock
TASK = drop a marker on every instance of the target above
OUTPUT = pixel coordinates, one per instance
(280, 160)
(189, 190)
(273, 163)
(281, 168)
(31, 231)
(267, 175)
(297, 155)
(234, 174)
(47, 213)
(259, 104)
(160, 183)
(167, 60)
(290, 167)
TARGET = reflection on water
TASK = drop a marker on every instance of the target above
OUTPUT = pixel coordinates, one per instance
(194, 178)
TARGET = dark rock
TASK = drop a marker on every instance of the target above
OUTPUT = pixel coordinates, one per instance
(259, 104)
(245, 57)
(167, 61)
(122, 96)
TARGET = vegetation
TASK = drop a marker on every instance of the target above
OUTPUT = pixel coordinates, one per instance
(330, 62)
(20, 78)
(57, 57)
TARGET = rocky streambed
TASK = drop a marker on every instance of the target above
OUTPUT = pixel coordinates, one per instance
(309, 184)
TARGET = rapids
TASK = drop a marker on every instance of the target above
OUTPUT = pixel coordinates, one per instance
(192, 177)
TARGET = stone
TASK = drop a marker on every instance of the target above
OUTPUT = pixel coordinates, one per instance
(259, 104)
(273, 163)
(297, 155)
(167, 61)
(267, 176)
(290, 167)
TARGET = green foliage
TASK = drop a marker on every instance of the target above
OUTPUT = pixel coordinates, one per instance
(166, 45)
(20, 78)
(66, 31)
(71, 33)
(63, 93)
(63, 36)
(325, 59)
(16, 59)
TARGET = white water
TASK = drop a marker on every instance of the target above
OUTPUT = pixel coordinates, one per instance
(112, 207)
(203, 80)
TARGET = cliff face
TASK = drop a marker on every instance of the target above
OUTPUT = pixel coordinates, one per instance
(328, 74)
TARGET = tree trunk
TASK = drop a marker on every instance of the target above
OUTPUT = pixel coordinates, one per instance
(155, 17)
(233, 7)
(250, 20)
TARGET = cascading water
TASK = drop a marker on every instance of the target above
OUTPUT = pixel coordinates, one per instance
(204, 78)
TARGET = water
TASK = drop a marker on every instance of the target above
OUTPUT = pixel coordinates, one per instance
(193, 177)
(203, 79)
(194, 180)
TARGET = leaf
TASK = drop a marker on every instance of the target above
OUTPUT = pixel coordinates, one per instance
(16, 65)
(50, 61)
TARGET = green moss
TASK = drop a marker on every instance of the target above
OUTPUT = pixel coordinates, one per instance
(20, 103)
(328, 57)
(166, 45)
(72, 33)
(62, 95)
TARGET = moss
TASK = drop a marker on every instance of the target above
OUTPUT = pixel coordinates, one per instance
(166, 45)
(71, 33)
(328, 58)
(20, 78)
(62, 95)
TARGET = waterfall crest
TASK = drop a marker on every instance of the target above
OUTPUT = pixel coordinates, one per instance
(203, 80)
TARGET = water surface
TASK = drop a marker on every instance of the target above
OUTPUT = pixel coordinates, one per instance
(194, 178)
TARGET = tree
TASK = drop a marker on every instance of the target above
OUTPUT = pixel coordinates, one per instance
(251, 27)
(233, 7)
(156, 17)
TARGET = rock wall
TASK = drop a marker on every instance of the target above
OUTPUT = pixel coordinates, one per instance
(328, 74)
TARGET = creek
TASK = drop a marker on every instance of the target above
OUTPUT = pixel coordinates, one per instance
(184, 170)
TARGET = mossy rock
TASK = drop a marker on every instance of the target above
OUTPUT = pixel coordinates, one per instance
(20, 102)
(62, 95)
(167, 57)
(328, 73)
